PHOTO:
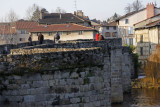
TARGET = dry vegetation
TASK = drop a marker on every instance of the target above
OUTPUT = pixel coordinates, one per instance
(152, 69)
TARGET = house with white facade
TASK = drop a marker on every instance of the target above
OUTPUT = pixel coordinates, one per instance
(109, 30)
(126, 22)
(66, 32)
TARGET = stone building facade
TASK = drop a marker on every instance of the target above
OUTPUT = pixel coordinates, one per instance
(147, 35)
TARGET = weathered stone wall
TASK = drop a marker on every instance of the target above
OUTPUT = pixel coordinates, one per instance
(105, 64)
(5, 49)
(72, 78)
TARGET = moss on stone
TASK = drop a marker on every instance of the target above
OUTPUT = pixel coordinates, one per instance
(90, 74)
(86, 81)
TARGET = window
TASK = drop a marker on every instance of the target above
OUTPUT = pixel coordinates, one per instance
(68, 33)
(130, 41)
(130, 30)
(23, 32)
(21, 39)
(60, 33)
(110, 34)
(114, 34)
(107, 34)
(114, 27)
(141, 38)
(80, 32)
(141, 51)
(107, 27)
(126, 21)
(127, 41)
(50, 33)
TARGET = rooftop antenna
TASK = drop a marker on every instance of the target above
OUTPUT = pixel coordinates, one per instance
(75, 5)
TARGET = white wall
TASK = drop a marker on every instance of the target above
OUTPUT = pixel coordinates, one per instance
(133, 19)
(73, 36)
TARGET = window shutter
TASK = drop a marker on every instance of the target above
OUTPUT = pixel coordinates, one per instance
(105, 34)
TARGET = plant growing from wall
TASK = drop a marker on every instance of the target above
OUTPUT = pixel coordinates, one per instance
(137, 64)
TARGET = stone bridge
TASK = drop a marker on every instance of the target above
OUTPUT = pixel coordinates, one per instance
(72, 74)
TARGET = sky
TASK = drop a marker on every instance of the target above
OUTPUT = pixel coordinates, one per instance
(99, 9)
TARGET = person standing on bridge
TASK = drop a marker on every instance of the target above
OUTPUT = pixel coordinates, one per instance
(100, 37)
(40, 38)
(30, 40)
(97, 36)
(56, 38)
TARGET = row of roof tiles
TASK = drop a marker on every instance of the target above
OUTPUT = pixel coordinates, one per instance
(35, 27)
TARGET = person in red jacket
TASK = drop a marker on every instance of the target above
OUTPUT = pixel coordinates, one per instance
(97, 36)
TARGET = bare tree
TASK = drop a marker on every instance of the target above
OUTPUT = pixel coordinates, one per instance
(128, 8)
(60, 10)
(137, 5)
(30, 10)
(36, 14)
(12, 16)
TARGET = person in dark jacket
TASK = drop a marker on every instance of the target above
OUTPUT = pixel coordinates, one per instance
(30, 40)
(56, 38)
(40, 38)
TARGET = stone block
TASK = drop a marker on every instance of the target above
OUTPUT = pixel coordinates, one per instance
(69, 95)
(25, 86)
(52, 82)
(14, 98)
(17, 77)
(65, 75)
(29, 98)
(35, 77)
(37, 84)
(47, 77)
(74, 75)
(40, 97)
(75, 100)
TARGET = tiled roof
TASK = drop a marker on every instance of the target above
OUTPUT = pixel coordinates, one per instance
(7, 29)
(59, 27)
(153, 23)
(147, 19)
(25, 24)
(56, 18)
(111, 24)
(129, 14)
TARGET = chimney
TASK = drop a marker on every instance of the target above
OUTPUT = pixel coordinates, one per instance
(60, 16)
(41, 14)
(80, 13)
(150, 10)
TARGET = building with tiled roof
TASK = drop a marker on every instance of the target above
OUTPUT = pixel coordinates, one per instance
(109, 30)
(62, 18)
(66, 31)
(147, 34)
(12, 33)
(126, 22)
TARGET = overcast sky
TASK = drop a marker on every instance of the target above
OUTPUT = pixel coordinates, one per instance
(99, 9)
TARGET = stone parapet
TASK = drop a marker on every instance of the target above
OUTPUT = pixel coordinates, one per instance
(77, 73)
